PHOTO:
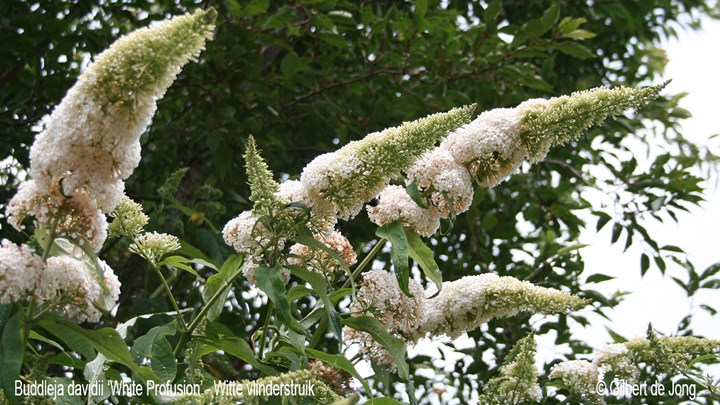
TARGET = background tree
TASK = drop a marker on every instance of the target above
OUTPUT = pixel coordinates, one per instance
(307, 76)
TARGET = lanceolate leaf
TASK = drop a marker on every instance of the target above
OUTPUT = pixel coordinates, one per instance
(395, 233)
(339, 361)
(216, 281)
(11, 354)
(394, 346)
(268, 280)
(424, 257)
(318, 283)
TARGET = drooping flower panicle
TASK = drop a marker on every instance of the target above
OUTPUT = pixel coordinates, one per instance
(355, 173)
(465, 304)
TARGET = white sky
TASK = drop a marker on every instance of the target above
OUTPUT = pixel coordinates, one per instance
(658, 299)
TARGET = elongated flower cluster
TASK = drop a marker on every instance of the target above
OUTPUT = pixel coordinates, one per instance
(65, 285)
(667, 354)
(493, 146)
(357, 172)
(467, 303)
(91, 143)
(518, 379)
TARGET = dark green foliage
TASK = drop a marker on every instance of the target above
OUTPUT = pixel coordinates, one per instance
(306, 77)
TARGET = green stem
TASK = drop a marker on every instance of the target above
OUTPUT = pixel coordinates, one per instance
(366, 260)
(266, 324)
(181, 320)
(203, 312)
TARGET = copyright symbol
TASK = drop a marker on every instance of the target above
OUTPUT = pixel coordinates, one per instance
(601, 388)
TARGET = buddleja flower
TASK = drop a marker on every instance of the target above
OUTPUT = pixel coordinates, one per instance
(380, 296)
(615, 358)
(77, 216)
(580, 377)
(563, 119)
(447, 182)
(91, 142)
(495, 144)
(355, 173)
(518, 379)
(319, 260)
(469, 302)
(128, 219)
(394, 204)
(669, 354)
(76, 293)
(20, 269)
(153, 246)
(323, 212)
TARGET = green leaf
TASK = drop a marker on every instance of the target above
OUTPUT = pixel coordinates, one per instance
(701, 359)
(644, 264)
(395, 233)
(579, 34)
(616, 337)
(424, 257)
(292, 64)
(394, 346)
(415, 194)
(11, 354)
(569, 24)
(74, 340)
(198, 256)
(339, 361)
(617, 228)
(298, 291)
(239, 348)
(257, 7)
(421, 7)
(155, 346)
(318, 283)
(550, 16)
(335, 40)
(36, 336)
(216, 281)
(598, 278)
(493, 10)
(574, 49)
(568, 249)
(108, 342)
(269, 282)
(179, 262)
(535, 82)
